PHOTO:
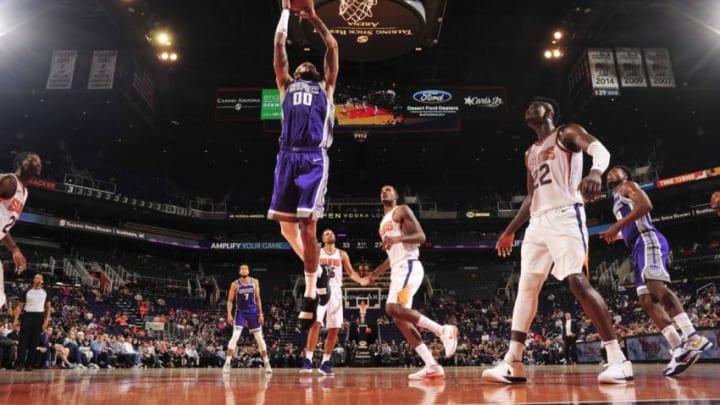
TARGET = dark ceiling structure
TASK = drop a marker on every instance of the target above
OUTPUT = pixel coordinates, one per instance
(173, 145)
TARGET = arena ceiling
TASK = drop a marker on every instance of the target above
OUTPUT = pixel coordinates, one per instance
(228, 43)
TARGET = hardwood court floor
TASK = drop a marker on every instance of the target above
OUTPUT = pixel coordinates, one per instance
(367, 386)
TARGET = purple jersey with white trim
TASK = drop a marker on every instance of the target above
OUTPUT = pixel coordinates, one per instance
(622, 207)
(245, 296)
(308, 116)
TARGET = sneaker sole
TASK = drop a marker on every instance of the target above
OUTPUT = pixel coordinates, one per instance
(504, 380)
(625, 380)
(679, 369)
(430, 377)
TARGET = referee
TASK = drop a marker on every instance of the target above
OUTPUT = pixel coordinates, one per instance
(31, 318)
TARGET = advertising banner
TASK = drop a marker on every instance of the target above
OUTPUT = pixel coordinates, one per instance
(656, 347)
(238, 104)
(270, 109)
(470, 103)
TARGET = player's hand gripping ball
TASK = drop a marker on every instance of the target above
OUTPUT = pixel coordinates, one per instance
(301, 6)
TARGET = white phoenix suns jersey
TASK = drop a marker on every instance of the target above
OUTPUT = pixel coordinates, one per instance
(399, 251)
(335, 261)
(10, 208)
(556, 174)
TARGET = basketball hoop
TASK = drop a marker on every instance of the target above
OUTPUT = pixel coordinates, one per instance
(360, 136)
(356, 10)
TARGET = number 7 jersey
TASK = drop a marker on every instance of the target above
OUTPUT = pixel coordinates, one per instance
(556, 173)
(10, 208)
(308, 116)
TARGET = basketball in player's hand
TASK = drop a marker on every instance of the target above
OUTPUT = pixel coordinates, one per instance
(301, 5)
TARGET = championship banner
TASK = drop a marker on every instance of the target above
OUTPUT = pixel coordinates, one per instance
(238, 104)
(659, 68)
(62, 68)
(102, 70)
(602, 72)
(630, 65)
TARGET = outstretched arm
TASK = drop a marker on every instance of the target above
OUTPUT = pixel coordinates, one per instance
(332, 63)
(280, 60)
(349, 269)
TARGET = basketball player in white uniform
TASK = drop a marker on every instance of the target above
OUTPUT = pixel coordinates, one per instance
(401, 235)
(556, 240)
(332, 261)
(13, 195)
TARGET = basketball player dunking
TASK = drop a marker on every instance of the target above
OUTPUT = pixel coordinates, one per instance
(333, 260)
(301, 171)
(245, 293)
(650, 250)
(13, 195)
(556, 240)
(401, 235)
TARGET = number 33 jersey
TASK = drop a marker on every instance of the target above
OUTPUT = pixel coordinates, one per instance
(555, 172)
(10, 208)
(308, 116)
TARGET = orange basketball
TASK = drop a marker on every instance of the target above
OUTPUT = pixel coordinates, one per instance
(301, 5)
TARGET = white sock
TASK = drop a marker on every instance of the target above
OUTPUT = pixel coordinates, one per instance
(429, 324)
(266, 360)
(228, 358)
(425, 354)
(683, 321)
(672, 336)
(310, 280)
(515, 352)
(614, 354)
(326, 357)
(308, 355)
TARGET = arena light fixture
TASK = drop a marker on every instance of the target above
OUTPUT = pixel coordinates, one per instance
(557, 53)
(173, 56)
(164, 56)
(558, 35)
(548, 54)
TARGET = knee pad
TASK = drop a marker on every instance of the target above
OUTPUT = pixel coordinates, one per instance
(259, 340)
(237, 331)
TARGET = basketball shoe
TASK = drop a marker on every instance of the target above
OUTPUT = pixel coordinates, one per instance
(680, 359)
(433, 372)
(306, 366)
(617, 373)
(449, 339)
(697, 343)
(325, 369)
(226, 368)
(506, 373)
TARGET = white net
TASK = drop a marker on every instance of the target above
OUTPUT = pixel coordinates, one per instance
(356, 10)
